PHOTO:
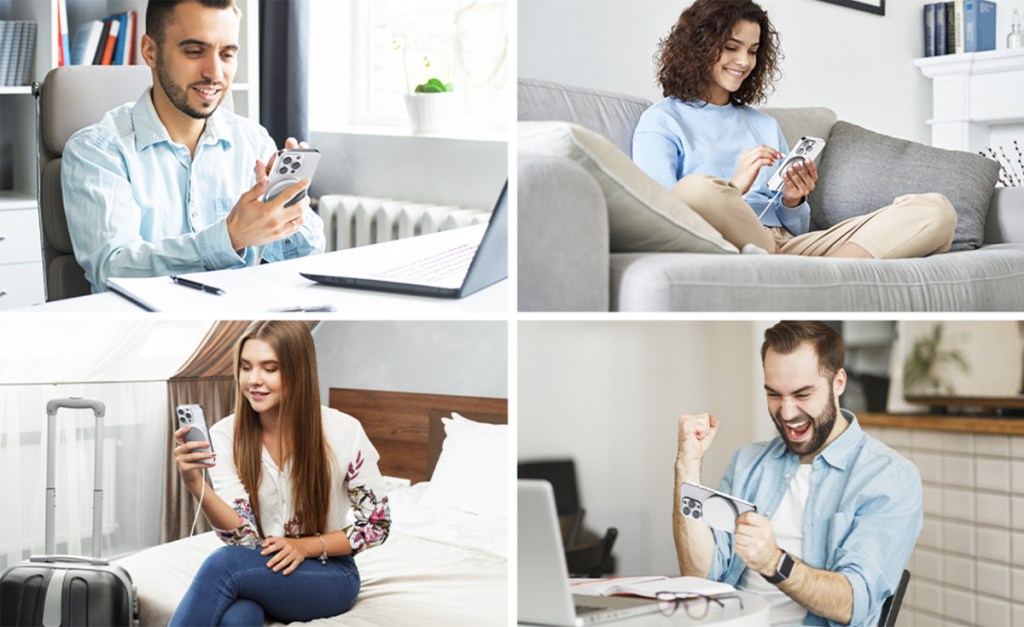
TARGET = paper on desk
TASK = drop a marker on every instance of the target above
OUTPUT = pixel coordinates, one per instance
(243, 293)
(650, 586)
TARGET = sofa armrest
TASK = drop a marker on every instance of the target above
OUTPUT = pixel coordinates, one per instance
(563, 261)
(1005, 221)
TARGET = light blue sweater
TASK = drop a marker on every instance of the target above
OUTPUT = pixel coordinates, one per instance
(674, 139)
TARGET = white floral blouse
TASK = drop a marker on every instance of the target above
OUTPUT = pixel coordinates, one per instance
(355, 507)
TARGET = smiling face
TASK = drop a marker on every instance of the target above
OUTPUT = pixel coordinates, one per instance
(736, 61)
(259, 376)
(195, 61)
(802, 400)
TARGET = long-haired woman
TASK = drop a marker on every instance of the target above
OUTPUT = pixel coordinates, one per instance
(707, 143)
(293, 492)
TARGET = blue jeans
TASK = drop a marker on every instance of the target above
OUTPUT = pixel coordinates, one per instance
(235, 587)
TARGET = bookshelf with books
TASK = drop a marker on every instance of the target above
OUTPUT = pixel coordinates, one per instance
(21, 281)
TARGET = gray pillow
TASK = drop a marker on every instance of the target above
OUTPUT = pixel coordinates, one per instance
(861, 171)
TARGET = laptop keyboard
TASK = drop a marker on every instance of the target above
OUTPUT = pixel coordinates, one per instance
(433, 268)
(587, 609)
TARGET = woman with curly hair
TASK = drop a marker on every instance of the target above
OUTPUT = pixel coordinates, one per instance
(293, 492)
(707, 143)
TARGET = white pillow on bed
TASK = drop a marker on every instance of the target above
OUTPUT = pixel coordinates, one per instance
(471, 474)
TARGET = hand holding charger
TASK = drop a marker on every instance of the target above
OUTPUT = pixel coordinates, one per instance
(717, 509)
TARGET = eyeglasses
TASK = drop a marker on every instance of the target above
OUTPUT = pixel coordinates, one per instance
(696, 605)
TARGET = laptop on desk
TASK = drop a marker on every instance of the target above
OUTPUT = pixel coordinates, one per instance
(544, 596)
(452, 264)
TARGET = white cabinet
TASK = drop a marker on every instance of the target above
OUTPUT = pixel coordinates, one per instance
(976, 99)
(18, 160)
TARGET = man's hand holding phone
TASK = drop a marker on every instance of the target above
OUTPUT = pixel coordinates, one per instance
(254, 222)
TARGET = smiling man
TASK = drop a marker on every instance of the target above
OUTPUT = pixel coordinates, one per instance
(838, 511)
(174, 182)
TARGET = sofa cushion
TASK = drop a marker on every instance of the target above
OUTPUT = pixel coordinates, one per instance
(861, 171)
(610, 114)
(643, 216)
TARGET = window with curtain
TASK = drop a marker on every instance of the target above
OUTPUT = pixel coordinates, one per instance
(372, 52)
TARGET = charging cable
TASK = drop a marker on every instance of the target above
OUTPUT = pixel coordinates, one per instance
(199, 507)
(771, 202)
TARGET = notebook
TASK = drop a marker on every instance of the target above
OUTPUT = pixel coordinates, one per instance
(544, 596)
(452, 264)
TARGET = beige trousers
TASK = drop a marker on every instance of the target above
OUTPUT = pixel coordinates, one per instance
(915, 225)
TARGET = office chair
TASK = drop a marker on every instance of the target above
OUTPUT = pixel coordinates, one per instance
(891, 607)
(582, 546)
(69, 99)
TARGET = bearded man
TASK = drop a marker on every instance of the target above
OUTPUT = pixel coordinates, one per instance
(838, 511)
(174, 183)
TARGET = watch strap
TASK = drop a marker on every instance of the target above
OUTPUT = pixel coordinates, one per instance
(782, 570)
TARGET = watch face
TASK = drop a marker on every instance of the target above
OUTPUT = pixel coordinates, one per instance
(785, 566)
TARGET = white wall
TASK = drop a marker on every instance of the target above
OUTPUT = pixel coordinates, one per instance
(464, 172)
(461, 358)
(609, 394)
(856, 63)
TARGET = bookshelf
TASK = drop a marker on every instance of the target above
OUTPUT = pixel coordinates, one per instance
(21, 273)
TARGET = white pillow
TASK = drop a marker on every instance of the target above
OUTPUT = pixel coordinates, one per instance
(472, 472)
(643, 216)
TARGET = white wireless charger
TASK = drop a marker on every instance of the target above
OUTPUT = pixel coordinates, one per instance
(720, 513)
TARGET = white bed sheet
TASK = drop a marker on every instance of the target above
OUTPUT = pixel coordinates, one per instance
(436, 568)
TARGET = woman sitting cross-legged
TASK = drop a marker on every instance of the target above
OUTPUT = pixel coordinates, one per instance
(293, 492)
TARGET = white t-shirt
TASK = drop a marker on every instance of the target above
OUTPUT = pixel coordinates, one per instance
(355, 483)
(788, 523)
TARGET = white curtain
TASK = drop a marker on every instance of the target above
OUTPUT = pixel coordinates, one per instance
(125, 364)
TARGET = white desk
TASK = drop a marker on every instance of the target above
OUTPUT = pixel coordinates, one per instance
(753, 614)
(347, 302)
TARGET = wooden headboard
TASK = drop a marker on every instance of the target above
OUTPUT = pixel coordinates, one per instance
(406, 428)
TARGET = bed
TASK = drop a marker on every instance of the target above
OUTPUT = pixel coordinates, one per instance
(441, 565)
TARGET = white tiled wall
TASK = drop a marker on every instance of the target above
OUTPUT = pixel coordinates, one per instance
(968, 566)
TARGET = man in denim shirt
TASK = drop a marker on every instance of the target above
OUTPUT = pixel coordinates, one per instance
(173, 183)
(838, 511)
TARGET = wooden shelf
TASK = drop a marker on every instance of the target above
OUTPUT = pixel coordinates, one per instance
(927, 422)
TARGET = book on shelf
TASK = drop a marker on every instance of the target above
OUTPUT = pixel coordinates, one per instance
(115, 33)
(650, 586)
(63, 38)
(85, 41)
(17, 47)
(979, 25)
(959, 26)
(111, 42)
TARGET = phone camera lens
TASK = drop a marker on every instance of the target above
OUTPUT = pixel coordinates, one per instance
(287, 159)
(283, 171)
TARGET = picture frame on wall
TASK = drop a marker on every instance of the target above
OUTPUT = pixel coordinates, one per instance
(871, 6)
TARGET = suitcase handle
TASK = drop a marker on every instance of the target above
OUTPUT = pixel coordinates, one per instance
(53, 559)
(98, 409)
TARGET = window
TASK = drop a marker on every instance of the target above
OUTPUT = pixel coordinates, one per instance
(394, 45)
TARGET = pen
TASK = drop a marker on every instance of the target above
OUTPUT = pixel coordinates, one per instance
(306, 309)
(209, 289)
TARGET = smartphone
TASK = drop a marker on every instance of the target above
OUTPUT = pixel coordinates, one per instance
(717, 509)
(291, 166)
(807, 149)
(194, 417)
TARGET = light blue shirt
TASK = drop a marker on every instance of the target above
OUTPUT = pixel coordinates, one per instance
(862, 517)
(139, 205)
(674, 139)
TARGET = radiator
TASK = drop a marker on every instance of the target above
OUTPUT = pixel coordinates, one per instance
(360, 220)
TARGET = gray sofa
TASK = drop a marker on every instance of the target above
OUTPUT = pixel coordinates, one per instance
(564, 261)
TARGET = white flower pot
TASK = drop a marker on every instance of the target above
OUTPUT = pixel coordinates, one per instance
(433, 113)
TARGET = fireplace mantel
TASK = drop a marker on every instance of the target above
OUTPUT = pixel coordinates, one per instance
(977, 98)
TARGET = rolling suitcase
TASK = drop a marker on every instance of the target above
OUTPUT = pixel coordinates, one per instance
(53, 590)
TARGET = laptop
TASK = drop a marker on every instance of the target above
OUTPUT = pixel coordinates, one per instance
(544, 595)
(451, 264)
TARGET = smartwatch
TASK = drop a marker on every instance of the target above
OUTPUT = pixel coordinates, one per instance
(782, 570)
